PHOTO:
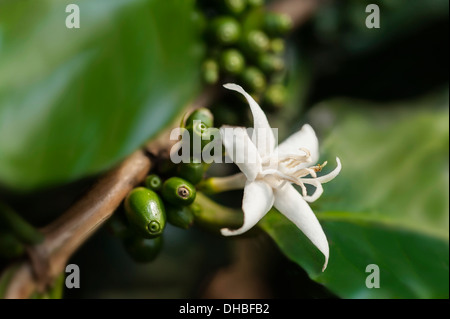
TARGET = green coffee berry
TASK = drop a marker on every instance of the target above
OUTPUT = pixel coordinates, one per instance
(234, 7)
(253, 80)
(275, 96)
(203, 114)
(145, 212)
(277, 45)
(256, 41)
(180, 216)
(143, 250)
(232, 61)
(270, 63)
(192, 172)
(277, 24)
(210, 71)
(153, 182)
(225, 30)
(178, 192)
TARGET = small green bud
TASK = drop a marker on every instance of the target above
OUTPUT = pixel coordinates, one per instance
(180, 216)
(202, 114)
(178, 192)
(143, 250)
(256, 41)
(153, 182)
(232, 61)
(253, 79)
(277, 45)
(270, 63)
(234, 7)
(145, 212)
(192, 172)
(275, 96)
(210, 71)
(225, 30)
(277, 24)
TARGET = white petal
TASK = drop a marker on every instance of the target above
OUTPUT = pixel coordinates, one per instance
(241, 150)
(263, 135)
(257, 201)
(304, 138)
(291, 204)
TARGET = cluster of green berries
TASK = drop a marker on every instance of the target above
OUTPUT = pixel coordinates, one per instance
(166, 196)
(246, 46)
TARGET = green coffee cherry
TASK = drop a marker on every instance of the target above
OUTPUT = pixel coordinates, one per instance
(178, 192)
(256, 41)
(232, 61)
(275, 96)
(180, 216)
(225, 30)
(277, 24)
(145, 212)
(143, 250)
(253, 80)
(153, 182)
(270, 63)
(277, 45)
(234, 7)
(203, 114)
(192, 172)
(210, 71)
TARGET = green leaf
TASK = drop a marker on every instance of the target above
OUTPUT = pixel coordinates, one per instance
(74, 102)
(389, 206)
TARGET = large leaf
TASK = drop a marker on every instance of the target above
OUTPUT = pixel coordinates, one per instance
(389, 206)
(74, 102)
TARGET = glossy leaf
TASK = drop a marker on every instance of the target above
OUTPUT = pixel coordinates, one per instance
(74, 102)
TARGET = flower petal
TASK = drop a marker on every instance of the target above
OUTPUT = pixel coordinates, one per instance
(241, 150)
(257, 201)
(304, 138)
(263, 135)
(291, 204)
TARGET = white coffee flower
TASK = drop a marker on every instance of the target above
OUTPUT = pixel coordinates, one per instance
(270, 170)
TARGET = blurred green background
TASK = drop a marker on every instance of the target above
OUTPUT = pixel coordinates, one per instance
(74, 102)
